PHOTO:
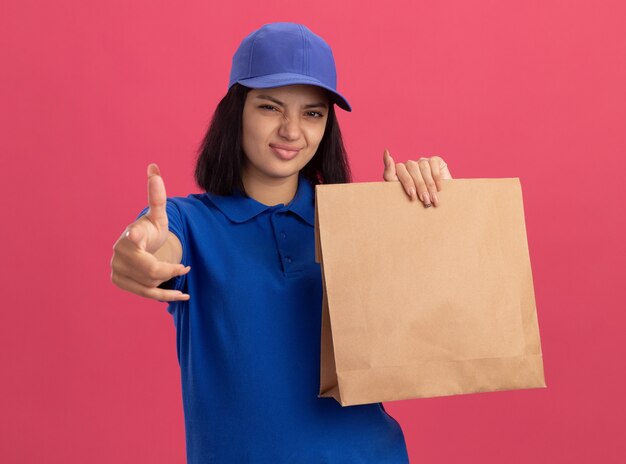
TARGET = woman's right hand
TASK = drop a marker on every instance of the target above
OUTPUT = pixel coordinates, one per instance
(134, 266)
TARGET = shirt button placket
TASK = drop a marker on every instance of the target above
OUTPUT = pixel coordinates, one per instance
(286, 259)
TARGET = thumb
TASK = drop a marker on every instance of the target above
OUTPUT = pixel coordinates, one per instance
(389, 174)
(157, 198)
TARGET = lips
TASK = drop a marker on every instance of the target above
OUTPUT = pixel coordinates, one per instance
(284, 153)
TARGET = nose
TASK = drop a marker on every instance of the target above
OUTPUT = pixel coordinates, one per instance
(289, 128)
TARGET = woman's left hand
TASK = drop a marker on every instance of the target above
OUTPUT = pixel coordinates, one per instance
(422, 176)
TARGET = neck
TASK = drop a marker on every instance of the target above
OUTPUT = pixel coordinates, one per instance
(270, 190)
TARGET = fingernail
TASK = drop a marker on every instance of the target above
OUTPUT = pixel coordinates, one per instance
(426, 198)
(435, 199)
(412, 194)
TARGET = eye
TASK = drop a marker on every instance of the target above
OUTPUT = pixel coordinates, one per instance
(320, 115)
(268, 106)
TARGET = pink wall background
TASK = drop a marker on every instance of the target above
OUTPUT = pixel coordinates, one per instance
(91, 92)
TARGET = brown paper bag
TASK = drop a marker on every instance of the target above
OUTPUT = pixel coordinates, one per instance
(424, 302)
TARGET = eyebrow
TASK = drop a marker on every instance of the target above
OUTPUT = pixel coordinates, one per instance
(278, 102)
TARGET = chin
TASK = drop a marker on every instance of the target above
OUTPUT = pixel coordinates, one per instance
(276, 168)
(282, 170)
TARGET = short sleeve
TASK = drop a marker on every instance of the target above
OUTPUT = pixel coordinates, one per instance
(175, 225)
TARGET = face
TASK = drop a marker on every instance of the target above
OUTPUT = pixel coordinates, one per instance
(282, 129)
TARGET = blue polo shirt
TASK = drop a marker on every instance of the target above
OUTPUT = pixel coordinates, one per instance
(248, 339)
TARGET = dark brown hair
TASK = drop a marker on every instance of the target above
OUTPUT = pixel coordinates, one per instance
(221, 157)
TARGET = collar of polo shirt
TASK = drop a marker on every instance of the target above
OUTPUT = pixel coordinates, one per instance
(239, 208)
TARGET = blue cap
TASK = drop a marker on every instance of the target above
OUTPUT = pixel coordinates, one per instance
(285, 53)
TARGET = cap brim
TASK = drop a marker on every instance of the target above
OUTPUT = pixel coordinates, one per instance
(279, 80)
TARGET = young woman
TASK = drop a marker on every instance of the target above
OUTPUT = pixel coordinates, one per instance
(248, 316)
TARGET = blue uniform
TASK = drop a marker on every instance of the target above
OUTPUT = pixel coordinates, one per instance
(248, 339)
